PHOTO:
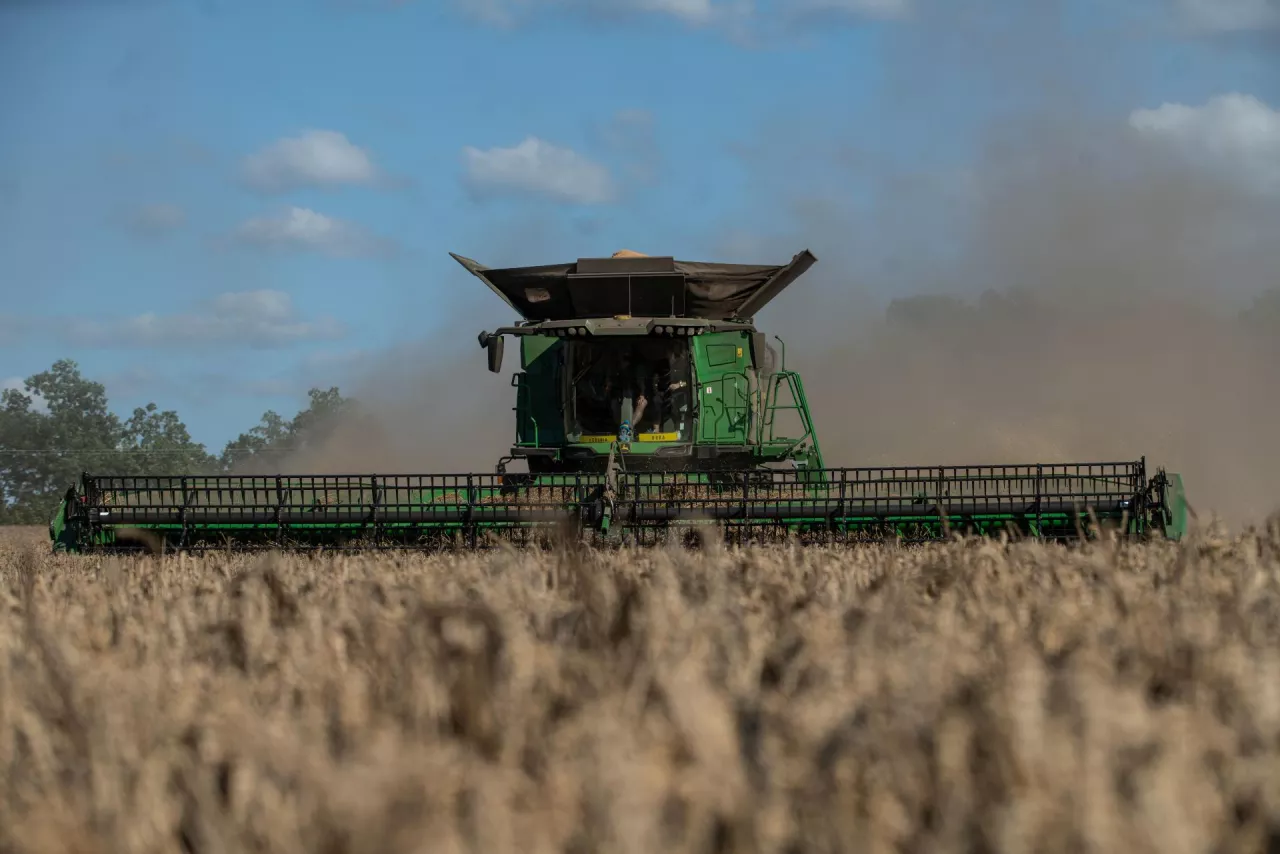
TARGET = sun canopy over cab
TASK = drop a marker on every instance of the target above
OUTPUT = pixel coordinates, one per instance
(639, 286)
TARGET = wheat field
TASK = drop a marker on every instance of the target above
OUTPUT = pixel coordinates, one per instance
(967, 697)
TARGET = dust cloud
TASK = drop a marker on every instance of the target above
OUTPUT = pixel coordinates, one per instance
(1079, 294)
(1061, 290)
(426, 407)
(430, 405)
(1094, 316)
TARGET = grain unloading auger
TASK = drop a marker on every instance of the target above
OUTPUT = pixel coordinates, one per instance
(648, 403)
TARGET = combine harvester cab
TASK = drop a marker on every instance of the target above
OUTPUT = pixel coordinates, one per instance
(647, 402)
(652, 361)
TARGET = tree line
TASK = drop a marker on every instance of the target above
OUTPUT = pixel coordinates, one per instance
(45, 448)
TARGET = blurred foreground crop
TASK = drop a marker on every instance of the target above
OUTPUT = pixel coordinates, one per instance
(952, 698)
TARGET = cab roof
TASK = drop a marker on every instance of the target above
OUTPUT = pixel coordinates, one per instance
(639, 286)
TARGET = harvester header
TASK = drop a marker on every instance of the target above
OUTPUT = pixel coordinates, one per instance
(647, 404)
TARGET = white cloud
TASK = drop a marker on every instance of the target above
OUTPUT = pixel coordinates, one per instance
(538, 167)
(1233, 130)
(38, 403)
(691, 11)
(508, 13)
(315, 158)
(1229, 15)
(302, 229)
(501, 13)
(879, 9)
(730, 15)
(263, 319)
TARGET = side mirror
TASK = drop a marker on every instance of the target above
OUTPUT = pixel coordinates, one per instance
(494, 346)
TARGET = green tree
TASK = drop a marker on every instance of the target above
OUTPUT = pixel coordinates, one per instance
(314, 424)
(156, 442)
(42, 453)
(258, 449)
(43, 450)
(265, 447)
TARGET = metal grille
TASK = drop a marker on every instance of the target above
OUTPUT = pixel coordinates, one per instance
(886, 492)
(278, 510)
(911, 503)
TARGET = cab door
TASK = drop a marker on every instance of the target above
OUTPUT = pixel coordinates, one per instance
(539, 413)
(720, 361)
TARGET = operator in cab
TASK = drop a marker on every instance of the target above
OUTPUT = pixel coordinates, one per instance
(615, 382)
(628, 396)
(643, 371)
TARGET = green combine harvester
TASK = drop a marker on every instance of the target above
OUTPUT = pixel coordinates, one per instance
(647, 405)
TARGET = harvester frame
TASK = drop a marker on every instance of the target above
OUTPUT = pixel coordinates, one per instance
(716, 458)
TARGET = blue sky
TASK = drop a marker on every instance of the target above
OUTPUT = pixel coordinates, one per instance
(215, 205)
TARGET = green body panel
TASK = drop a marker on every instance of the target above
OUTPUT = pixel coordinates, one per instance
(63, 535)
(637, 448)
(539, 415)
(720, 363)
(732, 402)
(1175, 496)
